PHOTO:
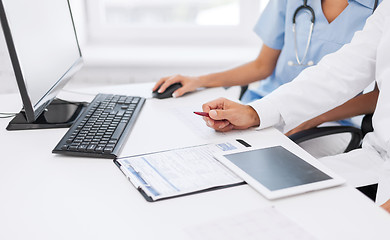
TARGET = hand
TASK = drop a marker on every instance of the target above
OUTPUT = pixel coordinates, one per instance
(226, 115)
(386, 206)
(189, 84)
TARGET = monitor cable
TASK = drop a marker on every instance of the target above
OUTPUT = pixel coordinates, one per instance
(7, 115)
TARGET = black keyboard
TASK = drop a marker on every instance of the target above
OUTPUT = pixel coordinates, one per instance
(101, 129)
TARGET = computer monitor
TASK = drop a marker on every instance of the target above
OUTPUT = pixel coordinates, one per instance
(45, 54)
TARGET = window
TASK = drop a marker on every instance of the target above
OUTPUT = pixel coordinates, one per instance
(172, 22)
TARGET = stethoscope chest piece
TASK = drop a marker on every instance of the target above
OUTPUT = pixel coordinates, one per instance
(292, 63)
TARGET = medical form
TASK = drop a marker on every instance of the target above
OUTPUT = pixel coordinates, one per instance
(179, 172)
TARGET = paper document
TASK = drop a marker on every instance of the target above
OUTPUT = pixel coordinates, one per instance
(265, 223)
(181, 171)
(199, 127)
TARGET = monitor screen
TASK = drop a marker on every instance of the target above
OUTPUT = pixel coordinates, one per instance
(43, 46)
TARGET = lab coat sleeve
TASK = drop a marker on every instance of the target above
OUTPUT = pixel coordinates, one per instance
(337, 78)
(268, 114)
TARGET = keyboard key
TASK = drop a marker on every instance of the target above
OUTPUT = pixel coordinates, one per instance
(82, 147)
(118, 131)
(108, 150)
(91, 147)
(99, 149)
(73, 147)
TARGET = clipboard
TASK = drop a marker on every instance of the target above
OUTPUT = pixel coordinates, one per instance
(180, 172)
(150, 199)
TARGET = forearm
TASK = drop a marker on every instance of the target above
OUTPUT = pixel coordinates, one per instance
(386, 206)
(362, 104)
(241, 75)
(258, 69)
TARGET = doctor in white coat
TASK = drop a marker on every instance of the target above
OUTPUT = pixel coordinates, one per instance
(336, 79)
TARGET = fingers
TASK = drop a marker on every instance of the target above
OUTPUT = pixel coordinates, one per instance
(219, 117)
(159, 82)
(226, 129)
(220, 126)
(181, 91)
(237, 115)
(217, 114)
(169, 81)
(215, 104)
(216, 124)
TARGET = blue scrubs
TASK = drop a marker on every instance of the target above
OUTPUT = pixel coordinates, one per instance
(275, 29)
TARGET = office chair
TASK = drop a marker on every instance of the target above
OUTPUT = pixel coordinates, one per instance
(356, 133)
(354, 143)
(243, 90)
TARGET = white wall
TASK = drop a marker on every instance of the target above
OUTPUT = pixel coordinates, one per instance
(118, 64)
(122, 64)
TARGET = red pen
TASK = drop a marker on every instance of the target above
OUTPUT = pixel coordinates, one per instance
(204, 114)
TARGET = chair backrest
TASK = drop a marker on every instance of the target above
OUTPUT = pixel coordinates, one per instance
(356, 135)
(315, 134)
(243, 90)
(366, 126)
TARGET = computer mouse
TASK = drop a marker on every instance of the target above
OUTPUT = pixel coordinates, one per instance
(168, 92)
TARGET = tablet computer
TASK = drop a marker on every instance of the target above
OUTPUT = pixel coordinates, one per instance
(276, 172)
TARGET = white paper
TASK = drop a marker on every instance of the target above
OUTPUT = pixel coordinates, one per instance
(180, 171)
(260, 224)
(199, 127)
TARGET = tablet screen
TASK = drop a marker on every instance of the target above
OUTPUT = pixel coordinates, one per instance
(276, 168)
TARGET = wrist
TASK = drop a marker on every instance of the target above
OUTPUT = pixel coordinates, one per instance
(254, 119)
(211, 80)
(320, 120)
(203, 81)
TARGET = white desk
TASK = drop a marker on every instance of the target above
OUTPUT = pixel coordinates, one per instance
(47, 196)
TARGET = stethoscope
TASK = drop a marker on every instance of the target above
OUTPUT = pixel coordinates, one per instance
(305, 7)
(300, 62)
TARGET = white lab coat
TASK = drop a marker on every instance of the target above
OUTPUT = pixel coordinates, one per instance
(336, 79)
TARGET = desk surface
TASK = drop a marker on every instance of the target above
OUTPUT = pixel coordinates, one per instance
(47, 196)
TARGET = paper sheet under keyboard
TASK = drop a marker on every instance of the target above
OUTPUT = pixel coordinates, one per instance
(180, 171)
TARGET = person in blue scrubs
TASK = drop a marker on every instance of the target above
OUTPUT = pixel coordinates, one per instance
(329, 35)
(283, 55)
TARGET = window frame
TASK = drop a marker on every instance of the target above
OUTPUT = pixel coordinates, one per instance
(99, 32)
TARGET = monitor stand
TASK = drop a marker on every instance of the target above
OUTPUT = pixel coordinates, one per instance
(59, 114)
